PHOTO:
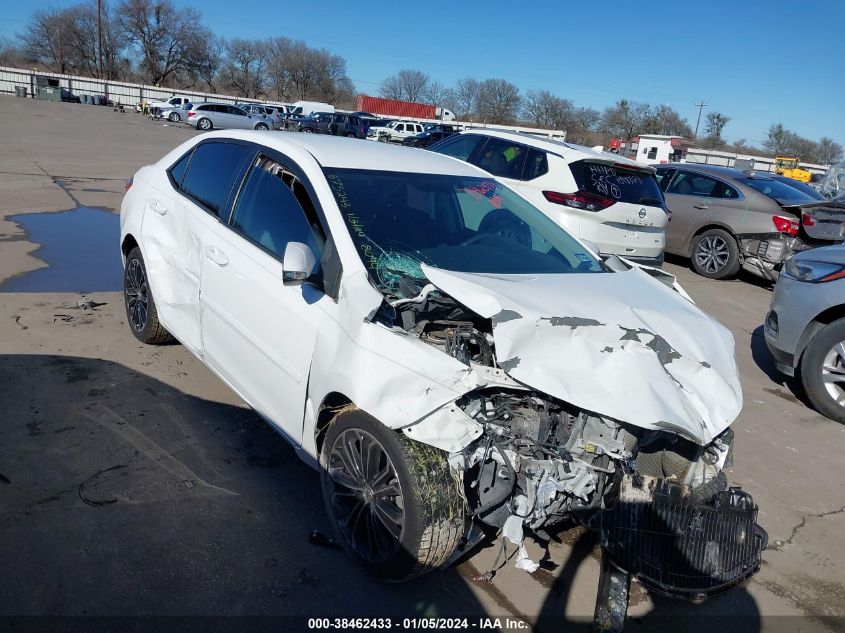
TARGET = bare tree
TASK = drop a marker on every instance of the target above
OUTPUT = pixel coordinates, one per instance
(498, 101)
(245, 67)
(665, 120)
(544, 109)
(466, 97)
(625, 119)
(206, 59)
(713, 126)
(438, 94)
(162, 34)
(47, 39)
(10, 54)
(407, 85)
(828, 151)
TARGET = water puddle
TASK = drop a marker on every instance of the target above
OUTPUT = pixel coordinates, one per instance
(81, 248)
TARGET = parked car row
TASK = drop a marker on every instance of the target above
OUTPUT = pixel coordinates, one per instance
(446, 355)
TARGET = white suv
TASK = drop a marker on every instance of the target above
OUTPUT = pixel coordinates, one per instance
(394, 132)
(611, 201)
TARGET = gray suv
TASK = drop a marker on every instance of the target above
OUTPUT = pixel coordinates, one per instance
(725, 219)
(805, 326)
(210, 116)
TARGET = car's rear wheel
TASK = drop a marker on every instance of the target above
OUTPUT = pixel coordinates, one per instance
(141, 310)
(823, 371)
(205, 124)
(351, 135)
(307, 130)
(173, 117)
(715, 254)
(394, 503)
(261, 126)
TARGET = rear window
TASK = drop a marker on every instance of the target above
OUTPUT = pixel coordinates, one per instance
(617, 183)
(776, 189)
(212, 172)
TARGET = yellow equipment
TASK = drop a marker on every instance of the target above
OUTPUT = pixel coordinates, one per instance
(788, 166)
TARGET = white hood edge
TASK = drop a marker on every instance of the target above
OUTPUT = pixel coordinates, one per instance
(622, 345)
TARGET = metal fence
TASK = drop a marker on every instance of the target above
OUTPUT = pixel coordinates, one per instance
(118, 91)
(728, 159)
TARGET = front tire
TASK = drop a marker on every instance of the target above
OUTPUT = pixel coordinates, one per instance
(394, 504)
(205, 125)
(141, 313)
(262, 127)
(823, 371)
(715, 254)
(174, 117)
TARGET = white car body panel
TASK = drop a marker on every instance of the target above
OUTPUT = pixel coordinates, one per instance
(260, 335)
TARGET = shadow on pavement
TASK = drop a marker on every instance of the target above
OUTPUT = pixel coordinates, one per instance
(123, 496)
(763, 359)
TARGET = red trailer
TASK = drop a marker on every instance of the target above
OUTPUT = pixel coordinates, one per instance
(394, 107)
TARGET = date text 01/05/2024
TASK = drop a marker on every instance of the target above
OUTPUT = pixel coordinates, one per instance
(411, 624)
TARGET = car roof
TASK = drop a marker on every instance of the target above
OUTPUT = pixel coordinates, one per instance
(346, 153)
(718, 170)
(568, 151)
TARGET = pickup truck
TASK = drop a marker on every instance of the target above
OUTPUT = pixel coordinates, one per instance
(395, 131)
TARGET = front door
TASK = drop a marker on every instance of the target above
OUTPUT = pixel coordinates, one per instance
(258, 332)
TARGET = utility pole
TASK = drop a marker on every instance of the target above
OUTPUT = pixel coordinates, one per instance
(700, 107)
(100, 37)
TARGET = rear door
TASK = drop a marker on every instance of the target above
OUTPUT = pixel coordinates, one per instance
(258, 332)
(696, 200)
(239, 118)
(202, 183)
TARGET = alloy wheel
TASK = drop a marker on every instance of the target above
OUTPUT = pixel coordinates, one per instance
(833, 373)
(136, 294)
(712, 254)
(366, 496)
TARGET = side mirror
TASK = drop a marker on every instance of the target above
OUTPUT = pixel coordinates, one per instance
(298, 262)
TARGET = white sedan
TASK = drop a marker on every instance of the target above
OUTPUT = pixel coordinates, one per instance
(441, 351)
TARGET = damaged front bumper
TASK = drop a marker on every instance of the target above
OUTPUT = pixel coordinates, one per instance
(679, 548)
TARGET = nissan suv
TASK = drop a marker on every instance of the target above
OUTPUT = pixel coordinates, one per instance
(611, 201)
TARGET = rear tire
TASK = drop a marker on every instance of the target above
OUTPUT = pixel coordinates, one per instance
(174, 117)
(351, 135)
(307, 130)
(715, 254)
(141, 313)
(262, 127)
(205, 125)
(823, 371)
(395, 506)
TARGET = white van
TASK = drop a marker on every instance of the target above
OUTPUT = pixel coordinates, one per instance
(613, 202)
(304, 108)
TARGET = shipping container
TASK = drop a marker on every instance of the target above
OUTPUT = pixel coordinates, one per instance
(394, 107)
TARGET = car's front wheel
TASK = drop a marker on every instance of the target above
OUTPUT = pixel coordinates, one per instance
(174, 117)
(262, 126)
(394, 503)
(141, 310)
(715, 254)
(823, 371)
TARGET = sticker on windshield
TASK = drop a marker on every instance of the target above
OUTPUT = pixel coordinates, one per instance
(584, 258)
(485, 189)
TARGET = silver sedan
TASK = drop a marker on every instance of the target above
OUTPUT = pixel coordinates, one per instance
(805, 326)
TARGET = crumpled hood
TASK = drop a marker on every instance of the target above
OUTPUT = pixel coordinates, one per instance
(622, 345)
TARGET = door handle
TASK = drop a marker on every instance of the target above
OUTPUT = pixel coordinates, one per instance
(700, 206)
(216, 256)
(158, 207)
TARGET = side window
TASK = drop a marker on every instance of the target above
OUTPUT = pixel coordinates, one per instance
(664, 177)
(652, 153)
(235, 110)
(724, 191)
(400, 127)
(460, 146)
(177, 171)
(536, 164)
(340, 119)
(274, 208)
(690, 184)
(212, 173)
(502, 158)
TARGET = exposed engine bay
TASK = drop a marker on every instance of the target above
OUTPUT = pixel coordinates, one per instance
(540, 460)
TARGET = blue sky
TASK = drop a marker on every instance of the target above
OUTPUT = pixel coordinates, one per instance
(756, 62)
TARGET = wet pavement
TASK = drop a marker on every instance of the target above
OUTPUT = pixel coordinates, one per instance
(80, 248)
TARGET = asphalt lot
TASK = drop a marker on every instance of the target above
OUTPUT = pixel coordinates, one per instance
(133, 482)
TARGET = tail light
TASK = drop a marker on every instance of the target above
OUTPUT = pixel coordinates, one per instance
(579, 200)
(128, 184)
(190, 114)
(807, 219)
(788, 226)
